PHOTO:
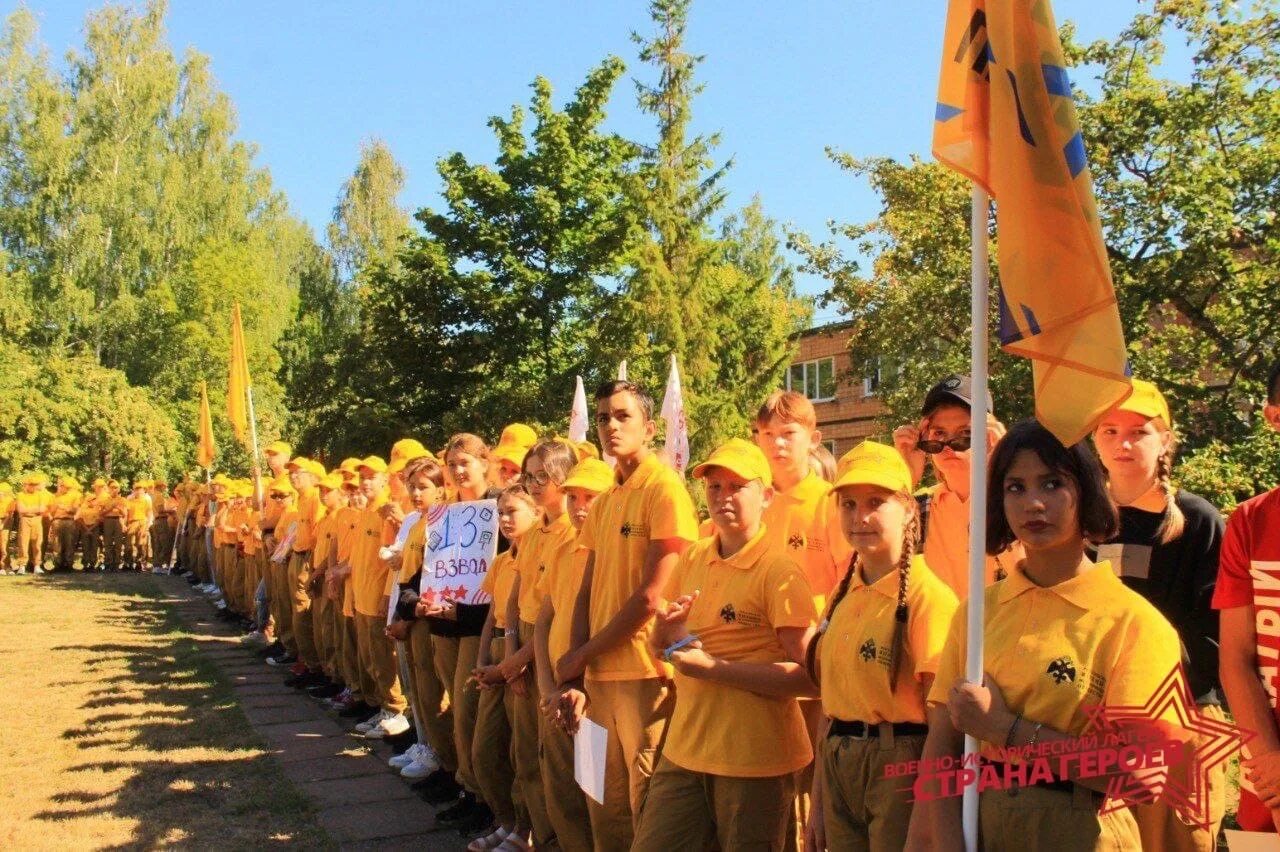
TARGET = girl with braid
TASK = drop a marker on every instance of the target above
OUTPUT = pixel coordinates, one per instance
(874, 659)
(1167, 551)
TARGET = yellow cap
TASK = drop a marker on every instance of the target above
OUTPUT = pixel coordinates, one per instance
(870, 463)
(35, 479)
(69, 482)
(332, 481)
(1147, 401)
(590, 474)
(741, 457)
(159, 483)
(350, 467)
(307, 465)
(407, 448)
(278, 448)
(221, 479)
(513, 453)
(99, 482)
(519, 435)
(373, 463)
(282, 485)
(144, 484)
(586, 450)
(399, 464)
(6, 488)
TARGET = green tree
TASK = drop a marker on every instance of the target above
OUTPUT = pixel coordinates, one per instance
(1185, 177)
(368, 223)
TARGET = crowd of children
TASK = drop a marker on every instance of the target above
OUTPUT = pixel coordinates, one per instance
(774, 679)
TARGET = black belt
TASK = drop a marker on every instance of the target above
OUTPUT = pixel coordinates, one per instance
(863, 731)
(268, 530)
(499, 633)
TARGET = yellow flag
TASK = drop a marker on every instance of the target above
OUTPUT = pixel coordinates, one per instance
(1005, 119)
(238, 382)
(205, 447)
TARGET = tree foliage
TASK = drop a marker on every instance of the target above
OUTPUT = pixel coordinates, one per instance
(1185, 174)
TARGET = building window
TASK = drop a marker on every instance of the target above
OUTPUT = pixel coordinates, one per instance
(831, 447)
(815, 379)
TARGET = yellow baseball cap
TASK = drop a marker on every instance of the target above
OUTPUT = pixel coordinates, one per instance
(69, 482)
(278, 448)
(1147, 401)
(871, 463)
(99, 482)
(509, 452)
(742, 458)
(332, 481)
(6, 488)
(585, 450)
(373, 463)
(591, 475)
(399, 464)
(520, 435)
(221, 479)
(35, 479)
(406, 449)
(350, 467)
(282, 485)
(307, 465)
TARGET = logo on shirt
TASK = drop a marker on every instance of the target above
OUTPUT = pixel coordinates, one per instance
(868, 650)
(634, 529)
(796, 541)
(728, 614)
(731, 614)
(1062, 670)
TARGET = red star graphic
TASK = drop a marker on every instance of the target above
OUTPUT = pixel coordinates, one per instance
(1171, 713)
(430, 595)
(460, 593)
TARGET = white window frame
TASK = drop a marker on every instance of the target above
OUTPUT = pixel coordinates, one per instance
(876, 377)
(814, 362)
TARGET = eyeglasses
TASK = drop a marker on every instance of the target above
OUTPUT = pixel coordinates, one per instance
(958, 445)
(541, 477)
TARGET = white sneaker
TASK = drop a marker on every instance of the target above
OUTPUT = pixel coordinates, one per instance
(372, 721)
(514, 842)
(39, 570)
(421, 767)
(489, 841)
(400, 761)
(393, 725)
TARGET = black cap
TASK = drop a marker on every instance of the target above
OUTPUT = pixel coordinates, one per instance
(953, 389)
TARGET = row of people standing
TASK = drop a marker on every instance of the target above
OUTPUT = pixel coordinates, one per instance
(108, 527)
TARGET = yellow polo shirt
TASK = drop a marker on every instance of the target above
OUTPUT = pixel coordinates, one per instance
(415, 545)
(946, 543)
(651, 505)
(369, 574)
(561, 582)
(326, 544)
(32, 503)
(62, 507)
(719, 729)
(7, 502)
(1053, 652)
(538, 547)
(497, 583)
(138, 509)
(804, 519)
(857, 647)
(251, 541)
(310, 510)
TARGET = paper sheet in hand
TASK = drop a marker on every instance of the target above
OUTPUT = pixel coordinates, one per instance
(462, 539)
(1250, 841)
(590, 747)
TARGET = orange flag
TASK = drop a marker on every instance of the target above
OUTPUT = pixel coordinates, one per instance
(1005, 119)
(238, 382)
(205, 447)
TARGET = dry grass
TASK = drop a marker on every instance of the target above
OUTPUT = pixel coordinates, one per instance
(118, 733)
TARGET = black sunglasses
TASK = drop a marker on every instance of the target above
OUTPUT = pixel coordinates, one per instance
(958, 445)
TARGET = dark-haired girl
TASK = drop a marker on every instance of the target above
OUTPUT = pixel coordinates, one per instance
(875, 658)
(1061, 635)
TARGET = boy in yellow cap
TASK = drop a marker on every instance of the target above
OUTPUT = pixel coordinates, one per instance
(62, 522)
(89, 525)
(283, 496)
(635, 535)
(507, 457)
(305, 475)
(323, 556)
(31, 504)
(114, 509)
(7, 504)
(138, 526)
(739, 620)
(163, 525)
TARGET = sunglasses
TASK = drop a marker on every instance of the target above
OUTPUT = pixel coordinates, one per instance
(958, 445)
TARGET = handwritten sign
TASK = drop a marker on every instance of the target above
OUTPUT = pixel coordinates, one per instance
(462, 540)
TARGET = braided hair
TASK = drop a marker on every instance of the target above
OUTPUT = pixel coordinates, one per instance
(910, 541)
(1174, 521)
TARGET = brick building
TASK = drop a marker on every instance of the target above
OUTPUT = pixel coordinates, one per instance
(844, 398)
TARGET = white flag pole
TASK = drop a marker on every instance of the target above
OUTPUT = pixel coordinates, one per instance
(977, 481)
(579, 417)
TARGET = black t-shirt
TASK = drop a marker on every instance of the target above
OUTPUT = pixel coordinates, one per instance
(1177, 578)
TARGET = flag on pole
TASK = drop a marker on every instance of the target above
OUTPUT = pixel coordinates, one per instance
(238, 381)
(676, 443)
(1005, 119)
(205, 447)
(578, 415)
(622, 371)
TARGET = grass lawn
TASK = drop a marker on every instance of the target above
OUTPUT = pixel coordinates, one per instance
(118, 733)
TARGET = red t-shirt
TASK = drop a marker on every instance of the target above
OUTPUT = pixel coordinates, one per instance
(1249, 573)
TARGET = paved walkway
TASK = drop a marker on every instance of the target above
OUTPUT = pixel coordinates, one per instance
(362, 803)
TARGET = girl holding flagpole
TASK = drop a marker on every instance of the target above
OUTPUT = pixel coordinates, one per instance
(1061, 634)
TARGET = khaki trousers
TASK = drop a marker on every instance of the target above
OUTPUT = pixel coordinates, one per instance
(378, 663)
(431, 699)
(280, 604)
(686, 810)
(89, 545)
(322, 633)
(566, 803)
(635, 713)
(5, 562)
(454, 659)
(112, 542)
(491, 748)
(524, 751)
(62, 537)
(229, 577)
(350, 656)
(1160, 826)
(1033, 819)
(861, 808)
(300, 608)
(30, 541)
(137, 544)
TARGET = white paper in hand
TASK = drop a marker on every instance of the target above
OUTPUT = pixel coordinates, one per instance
(590, 747)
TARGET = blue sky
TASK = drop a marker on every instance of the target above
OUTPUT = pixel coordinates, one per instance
(311, 80)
